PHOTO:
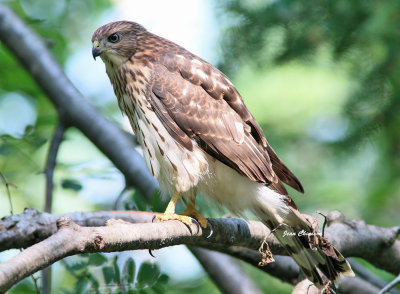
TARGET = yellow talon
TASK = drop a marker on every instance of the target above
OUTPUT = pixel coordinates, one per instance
(173, 216)
(186, 216)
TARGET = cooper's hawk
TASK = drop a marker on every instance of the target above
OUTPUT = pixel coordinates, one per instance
(199, 137)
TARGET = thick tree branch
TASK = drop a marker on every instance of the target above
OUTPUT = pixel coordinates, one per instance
(347, 286)
(225, 272)
(356, 285)
(118, 235)
(233, 236)
(284, 267)
(30, 227)
(353, 238)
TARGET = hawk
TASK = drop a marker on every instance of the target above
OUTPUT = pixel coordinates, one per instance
(199, 137)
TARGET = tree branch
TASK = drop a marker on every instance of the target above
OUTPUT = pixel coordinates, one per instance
(233, 236)
(354, 238)
(31, 226)
(48, 201)
(347, 286)
(118, 235)
(284, 267)
(389, 286)
(225, 272)
(369, 277)
(7, 186)
(51, 163)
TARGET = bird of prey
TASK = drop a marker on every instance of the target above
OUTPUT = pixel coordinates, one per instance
(199, 137)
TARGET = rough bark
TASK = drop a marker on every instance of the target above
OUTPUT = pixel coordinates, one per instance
(101, 232)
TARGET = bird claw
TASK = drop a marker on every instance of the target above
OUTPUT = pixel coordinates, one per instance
(193, 220)
(151, 253)
(150, 250)
(197, 224)
(186, 220)
(211, 229)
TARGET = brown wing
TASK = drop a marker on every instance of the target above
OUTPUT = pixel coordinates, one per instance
(190, 94)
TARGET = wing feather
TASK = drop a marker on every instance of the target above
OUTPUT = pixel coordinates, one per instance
(192, 96)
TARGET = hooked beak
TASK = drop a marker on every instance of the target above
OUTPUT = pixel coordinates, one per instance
(96, 51)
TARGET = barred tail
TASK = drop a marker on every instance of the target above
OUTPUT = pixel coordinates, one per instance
(315, 255)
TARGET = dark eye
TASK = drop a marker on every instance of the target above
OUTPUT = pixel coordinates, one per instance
(114, 38)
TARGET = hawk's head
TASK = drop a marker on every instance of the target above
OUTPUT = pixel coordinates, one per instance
(116, 42)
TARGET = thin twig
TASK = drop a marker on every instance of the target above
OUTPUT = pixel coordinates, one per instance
(119, 198)
(51, 163)
(226, 272)
(390, 285)
(325, 222)
(35, 284)
(369, 277)
(49, 172)
(7, 185)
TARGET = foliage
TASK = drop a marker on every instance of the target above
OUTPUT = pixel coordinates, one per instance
(289, 46)
(96, 273)
(24, 142)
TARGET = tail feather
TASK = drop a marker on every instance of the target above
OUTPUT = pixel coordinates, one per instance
(317, 258)
(320, 261)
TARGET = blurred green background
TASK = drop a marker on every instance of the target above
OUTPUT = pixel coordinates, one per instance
(321, 78)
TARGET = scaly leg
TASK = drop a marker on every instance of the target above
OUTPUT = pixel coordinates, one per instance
(192, 212)
(170, 214)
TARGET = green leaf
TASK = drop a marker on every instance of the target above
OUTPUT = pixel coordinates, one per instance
(95, 283)
(159, 287)
(129, 206)
(81, 286)
(108, 273)
(156, 203)
(147, 275)
(77, 266)
(71, 184)
(129, 270)
(163, 279)
(139, 201)
(117, 272)
(97, 259)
